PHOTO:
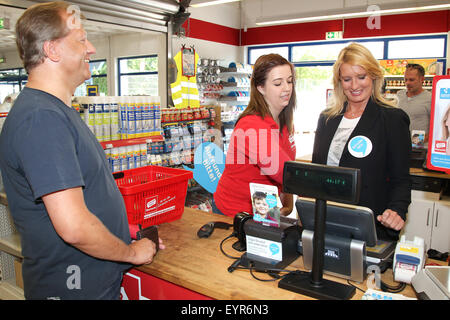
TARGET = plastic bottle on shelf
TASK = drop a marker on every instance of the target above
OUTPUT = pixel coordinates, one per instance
(98, 123)
(89, 114)
(157, 123)
(114, 112)
(130, 158)
(131, 118)
(123, 115)
(145, 116)
(137, 155)
(108, 157)
(106, 124)
(115, 159)
(138, 115)
(143, 153)
(123, 158)
(151, 115)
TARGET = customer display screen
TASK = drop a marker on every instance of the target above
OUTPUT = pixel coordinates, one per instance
(321, 182)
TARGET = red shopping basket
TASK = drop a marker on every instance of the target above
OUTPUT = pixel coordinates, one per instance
(153, 194)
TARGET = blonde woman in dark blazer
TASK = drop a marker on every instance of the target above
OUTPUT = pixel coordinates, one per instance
(360, 129)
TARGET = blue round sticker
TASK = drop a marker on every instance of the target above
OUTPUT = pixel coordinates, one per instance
(360, 146)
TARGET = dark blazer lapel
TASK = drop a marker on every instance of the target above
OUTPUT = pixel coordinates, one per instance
(368, 120)
(329, 130)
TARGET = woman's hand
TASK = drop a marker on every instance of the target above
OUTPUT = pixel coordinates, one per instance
(391, 219)
(288, 203)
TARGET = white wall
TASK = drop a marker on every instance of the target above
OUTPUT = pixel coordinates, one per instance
(145, 43)
(255, 9)
(228, 14)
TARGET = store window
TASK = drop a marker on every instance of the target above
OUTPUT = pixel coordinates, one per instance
(99, 72)
(12, 81)
(256, 53)
(416, 48)
(138, 75)
(314, 61)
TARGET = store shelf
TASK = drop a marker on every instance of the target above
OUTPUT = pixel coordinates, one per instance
(234, 70)
(130, 142)
(234, 98)
(402, 75)
(234, 85)
(11, 245)
(403, 87)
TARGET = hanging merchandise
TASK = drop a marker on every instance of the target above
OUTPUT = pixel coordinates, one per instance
(184, 89)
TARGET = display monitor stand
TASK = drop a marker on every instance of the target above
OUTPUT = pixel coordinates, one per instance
(312, 284)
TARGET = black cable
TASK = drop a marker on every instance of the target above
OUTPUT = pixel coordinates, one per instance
(392, 289)
(221, 246)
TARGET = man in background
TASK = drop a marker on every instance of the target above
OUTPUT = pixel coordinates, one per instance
(415, 100)
(62, 196)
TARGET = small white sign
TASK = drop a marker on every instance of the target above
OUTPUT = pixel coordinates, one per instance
(264, 248)
(333, 35)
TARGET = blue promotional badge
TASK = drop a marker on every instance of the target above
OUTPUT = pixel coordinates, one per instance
(360, 146)
(271, 200)
(209, 163)
(444, 93)
(274, 248)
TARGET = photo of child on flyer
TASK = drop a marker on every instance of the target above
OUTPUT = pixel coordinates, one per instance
(262, 212)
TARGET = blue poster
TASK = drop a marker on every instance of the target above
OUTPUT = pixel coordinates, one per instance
(209, 163)
(438, 156)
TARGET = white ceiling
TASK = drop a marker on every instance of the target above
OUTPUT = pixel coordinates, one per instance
(94, 29)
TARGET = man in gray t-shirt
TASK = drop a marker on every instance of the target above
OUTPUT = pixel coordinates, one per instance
(64, 201)
(416, 101)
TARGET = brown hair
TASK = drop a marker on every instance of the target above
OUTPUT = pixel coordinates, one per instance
(39, 23)
(418, 67)
(257, 105)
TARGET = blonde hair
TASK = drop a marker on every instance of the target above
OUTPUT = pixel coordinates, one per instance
(356, 54)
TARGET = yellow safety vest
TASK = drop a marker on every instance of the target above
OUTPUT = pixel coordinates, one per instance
(184, 89)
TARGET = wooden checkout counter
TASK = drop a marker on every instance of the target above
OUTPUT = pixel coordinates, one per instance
(194, 268)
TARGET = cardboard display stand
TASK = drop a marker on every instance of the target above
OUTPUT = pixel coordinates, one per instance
(438, 157)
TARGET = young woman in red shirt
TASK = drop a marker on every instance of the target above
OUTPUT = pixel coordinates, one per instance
(262, 140)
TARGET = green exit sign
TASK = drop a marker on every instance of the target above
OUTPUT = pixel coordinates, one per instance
(4, 23)
(332, 35)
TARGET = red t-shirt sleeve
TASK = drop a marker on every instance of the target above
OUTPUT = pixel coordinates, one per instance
(257, 141)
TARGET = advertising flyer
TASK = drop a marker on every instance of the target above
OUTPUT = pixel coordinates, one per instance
(266, 204)
(439, 142)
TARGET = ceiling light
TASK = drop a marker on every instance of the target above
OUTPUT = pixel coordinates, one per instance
(351, 13)
(211, 3)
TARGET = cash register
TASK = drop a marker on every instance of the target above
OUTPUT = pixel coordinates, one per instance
(335, 237)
